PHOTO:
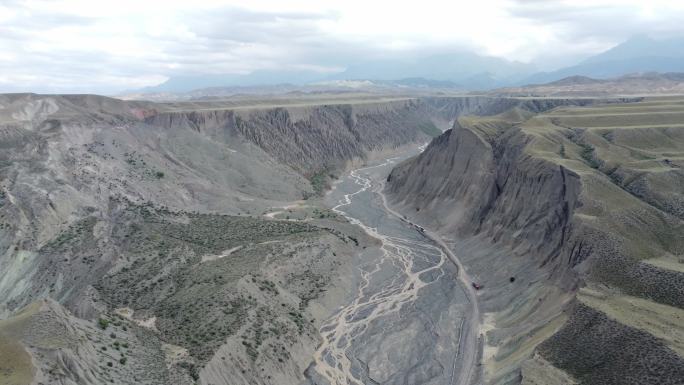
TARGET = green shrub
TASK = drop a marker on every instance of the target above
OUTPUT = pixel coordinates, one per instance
(103, 323)
(430, 129)
(319, 182)
(587, 153)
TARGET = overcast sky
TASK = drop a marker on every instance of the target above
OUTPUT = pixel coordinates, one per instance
(108, 46)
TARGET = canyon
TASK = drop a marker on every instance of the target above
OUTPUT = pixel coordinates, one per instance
(340, 239)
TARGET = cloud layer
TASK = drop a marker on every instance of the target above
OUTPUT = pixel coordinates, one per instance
(106, 47)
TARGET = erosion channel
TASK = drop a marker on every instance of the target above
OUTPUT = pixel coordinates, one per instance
(411, 319)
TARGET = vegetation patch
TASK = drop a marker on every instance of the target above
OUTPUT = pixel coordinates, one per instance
(320, 181)
(562, 151)
(139, 166)
(587, 153)
(197, 305)
(626, 355)
(75, 235)
(429, 129)
(103, 323)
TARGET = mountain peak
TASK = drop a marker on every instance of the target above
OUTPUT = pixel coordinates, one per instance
(576, 79)
(639, 46)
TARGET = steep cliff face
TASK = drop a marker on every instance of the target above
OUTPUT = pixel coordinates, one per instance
(313, 138)
(490, 186)
(507, 214)
(488, 106)
(318, 137)
(558, 206)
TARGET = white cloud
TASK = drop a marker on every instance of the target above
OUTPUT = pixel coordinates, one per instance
(104, 46)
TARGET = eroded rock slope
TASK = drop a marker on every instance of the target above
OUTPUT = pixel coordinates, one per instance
(571, 221)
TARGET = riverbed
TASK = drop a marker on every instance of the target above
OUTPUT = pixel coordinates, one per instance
(405, 321)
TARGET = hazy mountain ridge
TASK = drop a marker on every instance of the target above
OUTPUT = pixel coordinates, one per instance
(465, 69)
(462, 70)
(632, 84)
(638, 54)
(317, 90)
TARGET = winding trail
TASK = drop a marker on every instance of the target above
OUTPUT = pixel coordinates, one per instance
(332, 359)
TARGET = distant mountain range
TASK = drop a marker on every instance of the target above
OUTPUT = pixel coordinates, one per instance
(460, 70)
(188, 83)
(467, 70)
(575, 86)
(637, 55)
(413, 86)
(463, 70)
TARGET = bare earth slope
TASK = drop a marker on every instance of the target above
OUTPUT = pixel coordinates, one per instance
(571, 220)
(128, 228)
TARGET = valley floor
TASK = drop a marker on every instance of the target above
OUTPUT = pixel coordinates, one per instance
(411, 320)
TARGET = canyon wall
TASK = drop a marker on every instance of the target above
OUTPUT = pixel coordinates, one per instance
(538, 208)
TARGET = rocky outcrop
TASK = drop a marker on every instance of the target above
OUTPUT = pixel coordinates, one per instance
(490, 187)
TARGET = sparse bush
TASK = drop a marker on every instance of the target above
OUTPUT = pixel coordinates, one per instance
(429, 128)
(319, 182)
(103, 323)
(191, 368)
(587, 153)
